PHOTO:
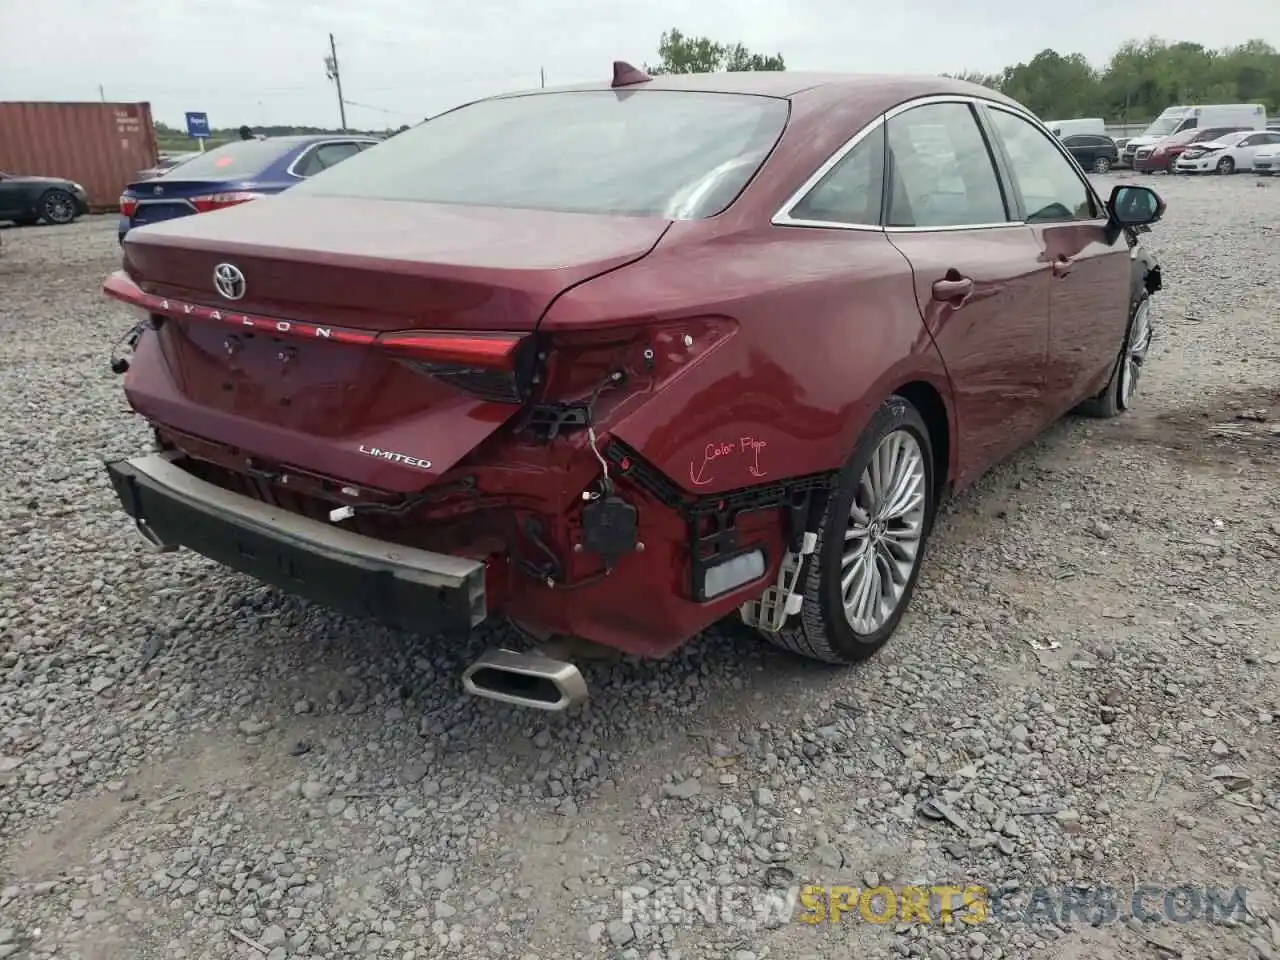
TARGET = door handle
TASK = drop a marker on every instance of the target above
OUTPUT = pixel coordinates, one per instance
(950, 290)
(1062, 266)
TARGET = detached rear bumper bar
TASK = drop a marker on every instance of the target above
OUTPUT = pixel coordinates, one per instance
(402, 586)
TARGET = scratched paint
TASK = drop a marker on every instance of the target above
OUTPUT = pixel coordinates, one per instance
(720, 457)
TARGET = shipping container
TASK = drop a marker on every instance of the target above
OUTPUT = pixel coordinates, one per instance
(101, 146)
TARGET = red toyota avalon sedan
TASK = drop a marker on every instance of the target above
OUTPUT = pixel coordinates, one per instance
(618, 360)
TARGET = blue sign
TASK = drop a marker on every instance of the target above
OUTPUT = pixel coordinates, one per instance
(198, 125)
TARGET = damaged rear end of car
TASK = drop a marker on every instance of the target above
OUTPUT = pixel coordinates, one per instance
(406, 404)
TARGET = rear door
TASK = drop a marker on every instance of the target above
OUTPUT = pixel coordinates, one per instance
(1089, 305)
(981, 283)
(1250, 145)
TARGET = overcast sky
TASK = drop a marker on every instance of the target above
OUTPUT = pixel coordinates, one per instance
(261, 61)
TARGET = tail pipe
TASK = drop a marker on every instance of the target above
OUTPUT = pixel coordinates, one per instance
(526, 680)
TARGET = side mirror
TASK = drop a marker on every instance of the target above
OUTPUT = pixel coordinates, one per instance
(1134, 206)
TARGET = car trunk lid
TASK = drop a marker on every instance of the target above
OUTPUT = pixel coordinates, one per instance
(374, 342)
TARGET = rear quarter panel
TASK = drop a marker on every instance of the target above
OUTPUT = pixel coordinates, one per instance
(827, 327)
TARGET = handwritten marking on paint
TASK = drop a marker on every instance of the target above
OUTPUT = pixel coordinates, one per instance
(746, 449)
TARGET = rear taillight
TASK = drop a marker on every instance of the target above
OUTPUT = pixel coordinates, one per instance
(128, 204)
(491, 366)
(216, 201)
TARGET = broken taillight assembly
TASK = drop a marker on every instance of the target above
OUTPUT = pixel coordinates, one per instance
(128, 204)
(491, 366)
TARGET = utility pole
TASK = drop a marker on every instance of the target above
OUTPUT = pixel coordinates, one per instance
(542, 77)
(331, 71)
(102, 94)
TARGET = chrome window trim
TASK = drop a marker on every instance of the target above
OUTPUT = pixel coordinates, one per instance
(292, 172)
(157, 201)
(783, 218)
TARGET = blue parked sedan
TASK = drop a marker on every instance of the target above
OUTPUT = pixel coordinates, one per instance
(231, 174)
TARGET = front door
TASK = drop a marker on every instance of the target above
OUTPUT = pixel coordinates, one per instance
(1089, 304)
(982, 285)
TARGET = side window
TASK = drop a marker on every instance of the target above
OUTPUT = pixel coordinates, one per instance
(1051, 189)
(325, 156)
(941, 173)
(851, 190)
(1188, 124)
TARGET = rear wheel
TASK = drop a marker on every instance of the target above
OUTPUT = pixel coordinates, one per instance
(1101, 165)
(1226, 166)
(1119, 393)
(58, 207)
(862, 572)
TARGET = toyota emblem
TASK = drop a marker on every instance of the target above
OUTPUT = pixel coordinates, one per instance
(229, 281)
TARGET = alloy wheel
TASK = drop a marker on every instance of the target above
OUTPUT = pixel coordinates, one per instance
(1101, 165)
(59, 207)
(1226, 165)
(884, 532)
(1135, 354)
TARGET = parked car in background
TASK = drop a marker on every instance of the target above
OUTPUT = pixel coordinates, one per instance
(167, 162)
(1266, 161)
(1162, 156)
(1066, 128)
(28, 199)
(232, 174)
(493, 368)
(1227, 154)
(1179, 119)
(1093, 151)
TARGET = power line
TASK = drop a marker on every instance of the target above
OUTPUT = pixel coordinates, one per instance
(369, 106)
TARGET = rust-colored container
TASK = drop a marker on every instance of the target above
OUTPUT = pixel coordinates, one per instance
(101, 146)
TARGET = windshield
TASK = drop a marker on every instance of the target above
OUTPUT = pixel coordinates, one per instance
(644, 153)
(1162, 127)
(244, 158)
(1230, 139)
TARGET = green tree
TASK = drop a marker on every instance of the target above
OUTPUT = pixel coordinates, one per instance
(681, 54)
(1141, 79)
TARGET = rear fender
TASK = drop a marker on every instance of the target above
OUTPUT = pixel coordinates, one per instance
(810, 354)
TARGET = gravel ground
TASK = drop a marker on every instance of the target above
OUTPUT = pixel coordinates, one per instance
(1085, 693)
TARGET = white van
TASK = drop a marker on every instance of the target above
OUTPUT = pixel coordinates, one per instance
(1069, 128)
(1247, 116)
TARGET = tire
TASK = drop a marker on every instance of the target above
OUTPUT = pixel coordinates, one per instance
(1118, 395)
(1101, 165)
(58, 207)
(1226, 166)
(822, 630)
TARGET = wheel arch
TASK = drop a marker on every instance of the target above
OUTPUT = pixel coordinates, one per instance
(937, 416)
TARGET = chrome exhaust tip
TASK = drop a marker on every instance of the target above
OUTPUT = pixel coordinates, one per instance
(525, 680)
(152, 539)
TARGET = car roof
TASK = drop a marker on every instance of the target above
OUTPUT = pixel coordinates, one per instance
(300, 139)
(887, 89)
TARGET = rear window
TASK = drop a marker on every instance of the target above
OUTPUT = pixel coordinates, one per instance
(245, 158)
(631, 153)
